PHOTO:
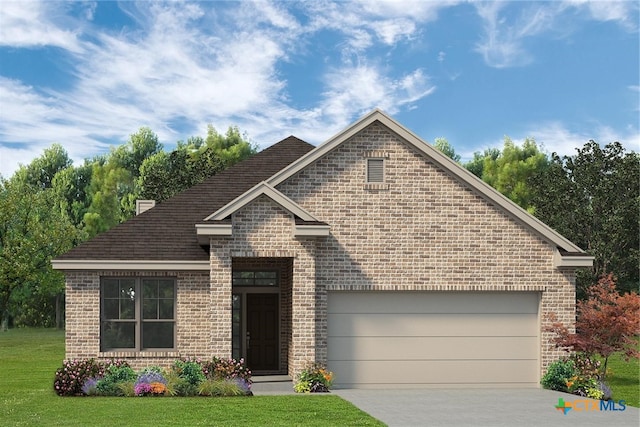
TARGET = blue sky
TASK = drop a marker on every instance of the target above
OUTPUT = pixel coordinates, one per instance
(89, 74)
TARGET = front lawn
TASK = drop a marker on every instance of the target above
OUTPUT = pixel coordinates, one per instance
(624, 379)
(30, 357)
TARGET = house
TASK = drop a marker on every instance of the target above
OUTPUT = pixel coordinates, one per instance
(373, 253)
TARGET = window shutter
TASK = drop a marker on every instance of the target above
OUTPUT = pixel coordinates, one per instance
(375, 170)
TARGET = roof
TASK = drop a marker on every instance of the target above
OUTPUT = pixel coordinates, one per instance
(167, 232)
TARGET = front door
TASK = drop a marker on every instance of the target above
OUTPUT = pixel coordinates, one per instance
(262, 332)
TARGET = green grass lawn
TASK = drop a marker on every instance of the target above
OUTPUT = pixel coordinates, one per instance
(30, 357)
(624, 379)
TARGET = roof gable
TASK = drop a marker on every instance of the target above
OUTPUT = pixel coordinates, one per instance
(455, 170)
(260, 189)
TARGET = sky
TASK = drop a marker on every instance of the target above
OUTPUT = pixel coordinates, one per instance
(89, 74)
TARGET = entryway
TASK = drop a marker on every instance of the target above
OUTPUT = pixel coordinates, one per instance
(261, 313)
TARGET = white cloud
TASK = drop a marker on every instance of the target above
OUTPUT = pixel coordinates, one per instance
(504, 41)
(622, 12)
(33, 24)
(557, 137)
(185, 65)
(363, 87)
(502, 44)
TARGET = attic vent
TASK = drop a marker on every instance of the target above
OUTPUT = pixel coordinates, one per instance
(375, 170)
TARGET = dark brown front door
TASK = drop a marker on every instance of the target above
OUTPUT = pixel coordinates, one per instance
(262, 332)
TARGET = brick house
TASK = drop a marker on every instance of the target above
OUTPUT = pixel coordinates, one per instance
(373, 253)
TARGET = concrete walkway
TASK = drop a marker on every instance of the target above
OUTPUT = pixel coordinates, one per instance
(482, 407)
(272, 385)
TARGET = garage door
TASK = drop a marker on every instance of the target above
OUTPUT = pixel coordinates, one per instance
(418, 339)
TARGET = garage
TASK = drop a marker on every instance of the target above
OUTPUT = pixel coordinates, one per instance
(433, 339)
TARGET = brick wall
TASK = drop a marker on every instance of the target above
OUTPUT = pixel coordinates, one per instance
(193, 318)
(264, 229)
(422, 230)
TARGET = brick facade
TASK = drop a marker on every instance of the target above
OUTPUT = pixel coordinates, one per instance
(193, 318)
(421, 230)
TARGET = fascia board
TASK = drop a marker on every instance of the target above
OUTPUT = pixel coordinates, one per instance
(311, 230)
(574, 261)
(214, 229)
(130, 265)
(258, 190)
(474, 183)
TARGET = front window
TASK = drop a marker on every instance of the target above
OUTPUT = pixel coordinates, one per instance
(255, 278)
(137, 313)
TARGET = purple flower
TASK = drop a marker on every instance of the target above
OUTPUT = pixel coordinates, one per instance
(141, 389)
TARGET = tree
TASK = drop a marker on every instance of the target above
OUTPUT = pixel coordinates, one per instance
(104, 211)
(72, 187)
(509, 171)
(593, 199)
(476, 165)
(41, 171)
(33, 229)
(447, 149)
(607, 323)
(163, 175)
(231, 148)
(140, 145)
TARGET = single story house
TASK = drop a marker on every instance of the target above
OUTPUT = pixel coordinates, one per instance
(373, 253)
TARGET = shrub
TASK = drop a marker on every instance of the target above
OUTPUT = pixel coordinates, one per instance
(127, 388)
(315, 378)
(227, 369)
(577, 374)
(72, 376)
(89, 387)
(178, 386)
(220, 388)
(557, 375)
(116, 373)
(190, 370)
(585, 382)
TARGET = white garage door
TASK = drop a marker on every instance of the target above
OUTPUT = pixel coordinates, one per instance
(422, 339)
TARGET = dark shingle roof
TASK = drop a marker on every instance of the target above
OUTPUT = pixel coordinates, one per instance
(167, 232)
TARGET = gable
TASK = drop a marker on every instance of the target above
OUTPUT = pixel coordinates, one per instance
(568, 253)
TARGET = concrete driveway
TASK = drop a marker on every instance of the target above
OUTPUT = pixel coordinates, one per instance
(484, 407)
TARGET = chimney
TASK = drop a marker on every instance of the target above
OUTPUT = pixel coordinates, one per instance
(144, 205)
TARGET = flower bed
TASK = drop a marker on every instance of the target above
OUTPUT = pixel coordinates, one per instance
(315, 378)
(186, 377)
(579, 375)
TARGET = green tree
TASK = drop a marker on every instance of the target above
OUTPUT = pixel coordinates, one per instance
(33, 229)
(41, 171)
(476, 165)
(107, 183)
(72, 187)
(163, 175)
(130, 155)
(511, 169)
(447, 149)
(593, 198)
(231, 147)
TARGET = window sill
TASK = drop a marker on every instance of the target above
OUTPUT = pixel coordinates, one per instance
(139, 354)
(376, 186)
